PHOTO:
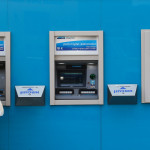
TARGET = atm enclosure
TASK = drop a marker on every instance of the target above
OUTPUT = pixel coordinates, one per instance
(145, 65)
(5, 68)
(76, 68)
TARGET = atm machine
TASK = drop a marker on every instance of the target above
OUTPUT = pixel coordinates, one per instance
(4, 70)
(76, 67)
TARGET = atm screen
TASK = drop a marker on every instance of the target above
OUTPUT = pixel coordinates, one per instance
(76, 80)
(71, 78)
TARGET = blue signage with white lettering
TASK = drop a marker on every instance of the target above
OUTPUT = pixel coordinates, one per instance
(82, 45)
(1, 45)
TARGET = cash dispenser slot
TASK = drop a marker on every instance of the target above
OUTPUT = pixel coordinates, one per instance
(64, 91)
(87, 91)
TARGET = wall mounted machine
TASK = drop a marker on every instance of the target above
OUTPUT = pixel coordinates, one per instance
(5, 68)
(76, 68)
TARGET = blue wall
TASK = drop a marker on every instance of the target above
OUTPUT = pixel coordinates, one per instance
(123, 127)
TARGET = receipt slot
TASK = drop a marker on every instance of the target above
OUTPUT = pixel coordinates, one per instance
(122, 94)
(76, 68)
(5, 68)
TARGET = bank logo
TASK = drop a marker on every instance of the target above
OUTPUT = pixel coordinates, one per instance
(29, 91)
(122, 90)
(65, 37)
(61, 37)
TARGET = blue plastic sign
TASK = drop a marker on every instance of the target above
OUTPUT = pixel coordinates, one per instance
(122, 89)
(30, 91)
(1, 45)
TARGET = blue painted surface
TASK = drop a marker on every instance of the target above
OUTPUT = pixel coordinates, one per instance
(123, 127)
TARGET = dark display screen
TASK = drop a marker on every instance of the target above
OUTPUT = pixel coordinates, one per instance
(71, 78)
